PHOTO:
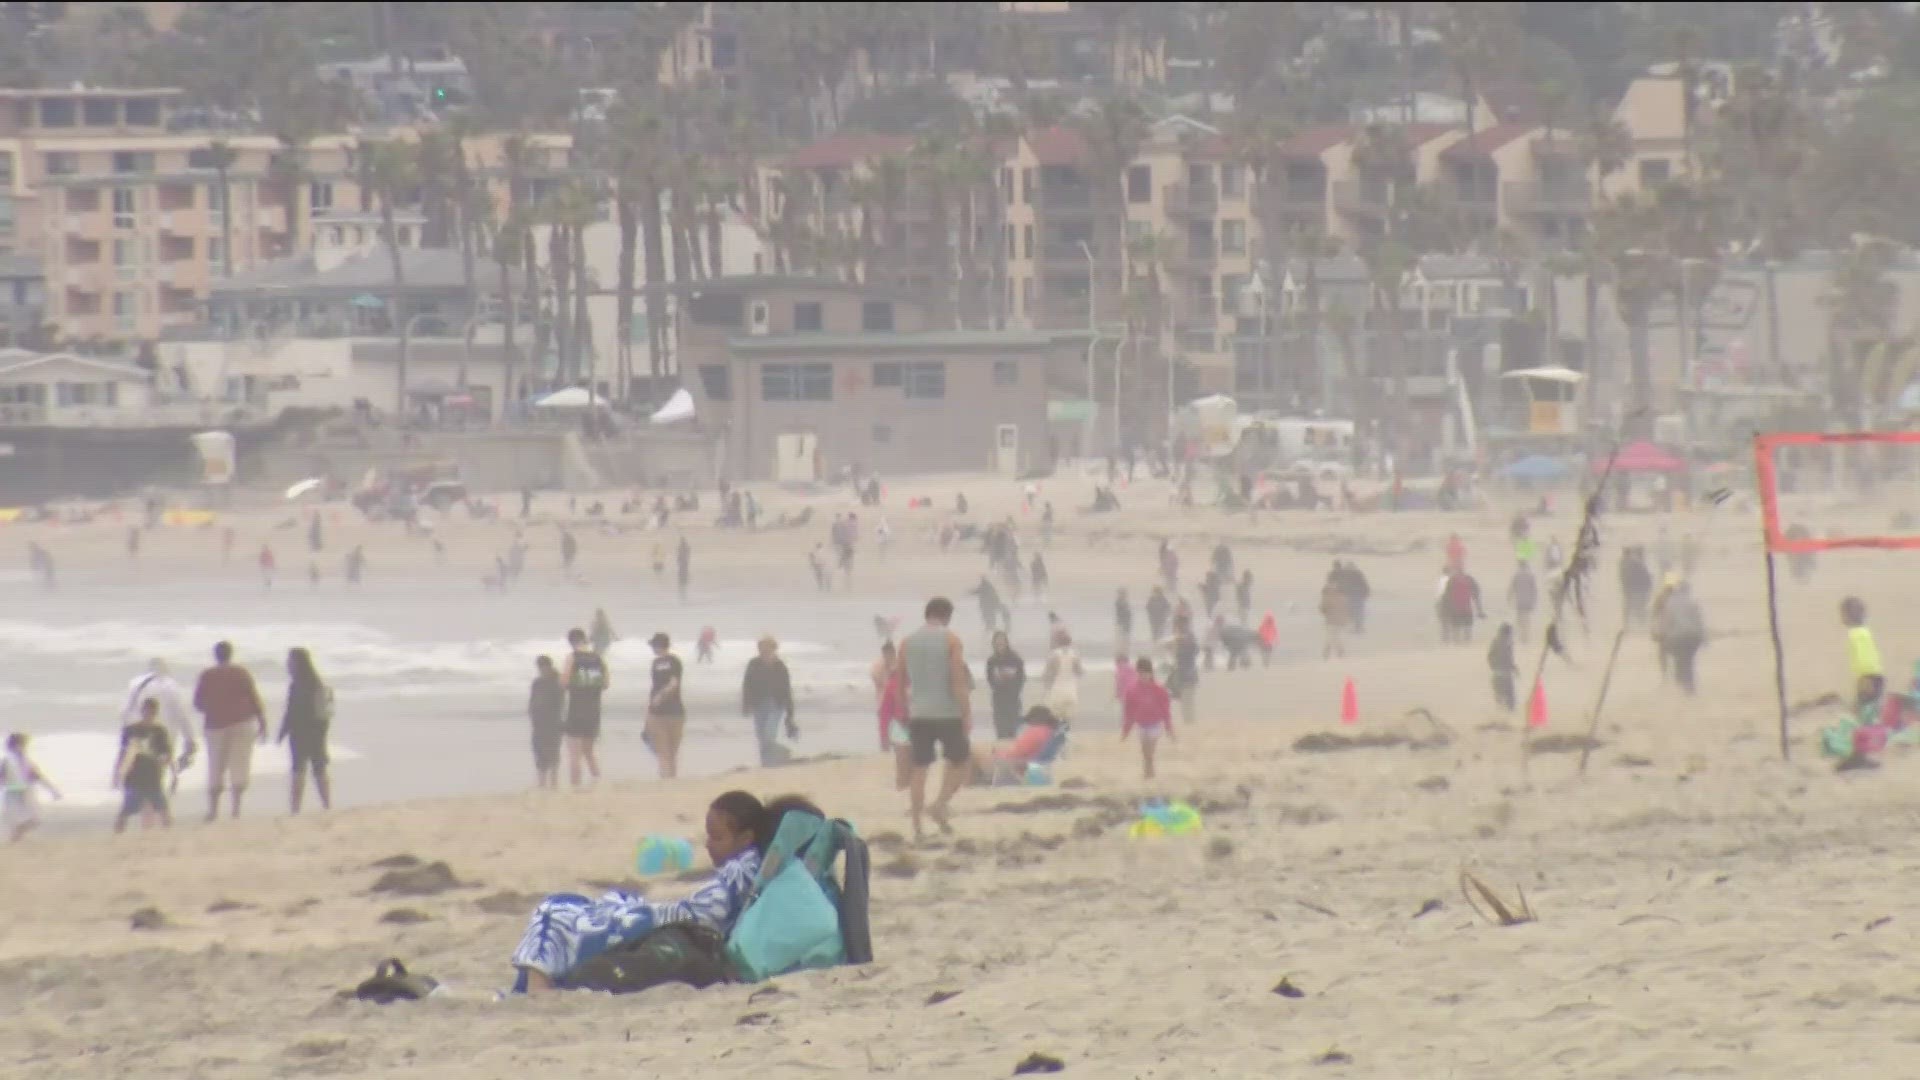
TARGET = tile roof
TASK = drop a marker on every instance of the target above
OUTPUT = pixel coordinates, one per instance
(1315, 141)
(1486, 141)
(846, 148)
(1059, 145)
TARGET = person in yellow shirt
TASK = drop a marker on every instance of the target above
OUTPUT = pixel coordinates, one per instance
(1863, 655)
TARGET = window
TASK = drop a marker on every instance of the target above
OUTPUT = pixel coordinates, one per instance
(1027, 241)
(926, 380)
(883, 434)
(216, 198)
(1026, 295)
(202, 158)
(1233, 182)
(1233, 237)
(217, 252)
(876, 316)
(796, 382)
(1140, 184)
(1200, 175)
(807, 318)
(125, 201)
(130, 161)
(57, 113)
(1202, 292)
(6, 167)
(143, 112)
(1232, 288)
(1006, 185)
(887, 376)
(1026, 185)
(717, 381)
(320, 195)
(125, 252)
(1006, 373)
(1655, 171)
(63, 163)
(726, 51)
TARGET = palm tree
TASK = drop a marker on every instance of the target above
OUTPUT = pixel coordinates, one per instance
(1759, 145)
(223, 158)
(1862, 305)
(387, 171)
(1114, 134)
(1627, 239)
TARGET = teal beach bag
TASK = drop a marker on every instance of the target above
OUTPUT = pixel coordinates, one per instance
(790, 923)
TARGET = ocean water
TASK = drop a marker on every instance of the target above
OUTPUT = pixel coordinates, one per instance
(430, 678)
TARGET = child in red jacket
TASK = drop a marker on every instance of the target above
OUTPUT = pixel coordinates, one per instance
(1149, 708)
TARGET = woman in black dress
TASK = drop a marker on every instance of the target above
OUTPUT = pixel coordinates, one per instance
(304, 727)
(1006, 677)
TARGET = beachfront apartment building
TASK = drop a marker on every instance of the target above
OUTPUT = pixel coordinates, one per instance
(133, 221)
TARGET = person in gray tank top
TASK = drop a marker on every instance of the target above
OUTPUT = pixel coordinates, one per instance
(937, 689)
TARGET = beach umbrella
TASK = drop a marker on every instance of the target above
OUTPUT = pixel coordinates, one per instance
(678, 407)
(1535, 467)
(1641, 457)
(310, 484)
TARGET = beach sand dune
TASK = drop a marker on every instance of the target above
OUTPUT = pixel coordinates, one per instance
(1704, 909)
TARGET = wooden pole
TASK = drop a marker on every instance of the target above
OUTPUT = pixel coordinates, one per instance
(1779, 655)
(1600, 702)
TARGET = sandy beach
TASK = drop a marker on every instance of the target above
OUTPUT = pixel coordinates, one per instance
(1704, 909)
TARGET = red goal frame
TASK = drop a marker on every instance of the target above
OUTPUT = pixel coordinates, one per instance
(1764, 447)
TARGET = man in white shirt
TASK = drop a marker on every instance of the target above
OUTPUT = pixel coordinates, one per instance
(157, 685)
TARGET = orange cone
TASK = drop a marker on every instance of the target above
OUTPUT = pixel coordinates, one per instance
(1537, 706)
(1349, 704)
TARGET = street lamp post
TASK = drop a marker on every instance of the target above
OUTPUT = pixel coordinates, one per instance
(1093, 339)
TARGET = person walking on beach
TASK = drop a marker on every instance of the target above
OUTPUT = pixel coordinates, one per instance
(1062, 677)
(600, 631)
(586, 678)
(229, 705)
(158, 686)
(766, 695)
(1037, 575)
(1683, 629)
(683, 558)
(890, 708)
(304, 729)
(1184, 686)
(666, 711)
(1335, 617)
(1122, 620)
(141, 769)
(1147, 708)
(1159, 609)
(267, 565)
(1243, 595)
(1523, 595)
(546, 705)
(40, 561)
(1006, 680)
(936, 685)
(1502, 668)
(994, 613)
(569, 551)
(20, 781)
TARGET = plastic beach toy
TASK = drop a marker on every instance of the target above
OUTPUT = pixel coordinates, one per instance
(662, 855)
(1159, 818)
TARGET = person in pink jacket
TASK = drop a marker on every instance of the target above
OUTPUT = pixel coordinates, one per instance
(1148, 707)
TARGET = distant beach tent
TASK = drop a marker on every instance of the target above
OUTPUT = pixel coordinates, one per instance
(573, 397)
(678, 407)
(310, 484)
(1535, 467)
(1641, 457)
(216, 456)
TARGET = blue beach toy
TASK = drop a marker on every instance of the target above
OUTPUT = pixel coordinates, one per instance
(662, 855)
(1161, 818)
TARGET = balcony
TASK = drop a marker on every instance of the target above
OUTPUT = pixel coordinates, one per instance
(1200, 251)
(1570, 197)
(1364, 196)
(1063, 198)
(1191, 200)
(1065, 251)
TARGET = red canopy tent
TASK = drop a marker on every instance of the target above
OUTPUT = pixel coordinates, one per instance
(1641, 457)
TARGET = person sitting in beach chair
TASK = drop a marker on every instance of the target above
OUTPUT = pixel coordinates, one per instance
(567, 930)
(1041, 740)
